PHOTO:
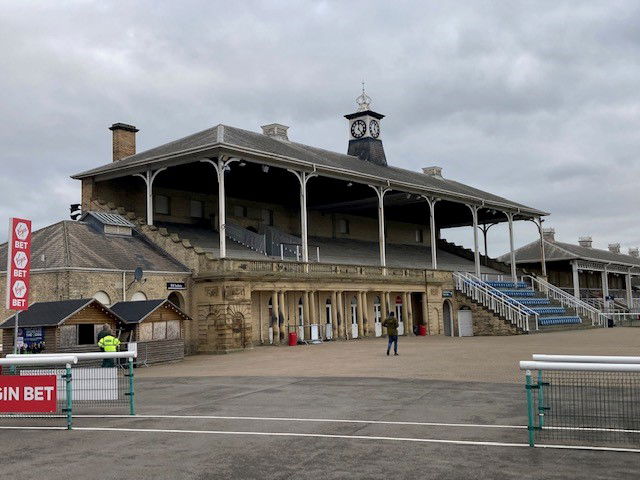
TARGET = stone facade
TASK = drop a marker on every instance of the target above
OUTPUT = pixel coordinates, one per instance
(485, 322)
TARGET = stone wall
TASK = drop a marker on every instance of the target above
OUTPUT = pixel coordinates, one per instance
(485, 322)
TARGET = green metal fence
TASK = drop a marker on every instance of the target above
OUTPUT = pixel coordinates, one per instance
(592, 404)
(83, 383)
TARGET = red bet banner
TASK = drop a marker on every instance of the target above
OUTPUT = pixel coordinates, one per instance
(18, 264)
(28, 393)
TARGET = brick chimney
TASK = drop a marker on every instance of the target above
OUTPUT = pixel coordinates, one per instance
(634, 252)
(585, 242)
(124, 140)
(549, 234)
(275, 130)
(614, 247)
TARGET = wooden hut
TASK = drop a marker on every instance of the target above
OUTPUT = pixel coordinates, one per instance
(155, 328)
(62, 326)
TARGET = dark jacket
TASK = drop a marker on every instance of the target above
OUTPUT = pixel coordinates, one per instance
(392, 325)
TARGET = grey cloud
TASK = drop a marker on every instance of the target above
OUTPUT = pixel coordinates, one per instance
(535, 101)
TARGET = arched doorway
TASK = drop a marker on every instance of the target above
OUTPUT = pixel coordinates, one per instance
(447, 318)
(354, 318)
(400, 314)
(377, 317)
(300, 319)
(328, 313)
(177, 299)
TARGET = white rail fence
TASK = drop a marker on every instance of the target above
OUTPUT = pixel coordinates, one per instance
(249, 239)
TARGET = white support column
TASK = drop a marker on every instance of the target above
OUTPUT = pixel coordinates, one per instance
(303, 178)
(148, 177)
(605, 287)
(432, 230)
(514, 272)
(380, 192)
(576, 280)
(275, 310)
(627, 284)
(220, 165)
(476, 250)
(543, 258)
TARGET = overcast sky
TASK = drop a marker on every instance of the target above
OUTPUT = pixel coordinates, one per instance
(535, 101)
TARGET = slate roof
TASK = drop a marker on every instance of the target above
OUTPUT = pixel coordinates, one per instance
(245, 141)
(105, 218)
(557, 251)
(136, 312)
(48, 314)
(69, 244)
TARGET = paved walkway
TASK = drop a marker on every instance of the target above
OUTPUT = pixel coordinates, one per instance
(477, 359)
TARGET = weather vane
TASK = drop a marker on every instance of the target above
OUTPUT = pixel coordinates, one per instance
(363, 101)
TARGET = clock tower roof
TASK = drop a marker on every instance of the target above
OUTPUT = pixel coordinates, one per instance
(364, 113)
(364, 128)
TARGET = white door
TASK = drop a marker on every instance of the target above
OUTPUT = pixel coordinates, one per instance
(465, 323)
(328, 327)
(377, 321)
(315, 332)
(354, 320)
(328, 331)
(300, 322)
(400, 318)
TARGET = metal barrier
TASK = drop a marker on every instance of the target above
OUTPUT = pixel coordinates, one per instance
(79, 384)
(589, 399)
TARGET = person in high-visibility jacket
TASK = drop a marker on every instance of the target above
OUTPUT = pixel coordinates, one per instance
(109, 343)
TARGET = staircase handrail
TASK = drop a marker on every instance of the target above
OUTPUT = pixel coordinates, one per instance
(512, 300)
(249, 239)
(480, 292)
(568, 300)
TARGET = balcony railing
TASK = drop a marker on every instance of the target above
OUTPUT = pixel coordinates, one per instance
(316, 269)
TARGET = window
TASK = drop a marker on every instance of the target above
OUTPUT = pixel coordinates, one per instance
(86, 334)
(240, 211)
(103, 298)
(138, 297)
(343, 226)
(196, 209)
(419, 236)
(267, 217)
(161, 205)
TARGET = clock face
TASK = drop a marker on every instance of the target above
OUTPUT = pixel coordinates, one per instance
(374, 128)
(358, 128)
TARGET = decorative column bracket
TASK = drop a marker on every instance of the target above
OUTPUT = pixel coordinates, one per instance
(148, 177)
(474, 213)
(432, 229)
(303, 178)
(380, 192)
(221, 164)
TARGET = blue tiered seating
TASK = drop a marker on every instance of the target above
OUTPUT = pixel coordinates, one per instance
(549, 310)
(525, 295)
(559, 320)
(503, 284)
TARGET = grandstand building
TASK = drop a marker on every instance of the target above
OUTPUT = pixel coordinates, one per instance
(284, 237)
(602, 278)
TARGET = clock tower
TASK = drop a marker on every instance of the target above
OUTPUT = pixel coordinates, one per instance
(364, 132)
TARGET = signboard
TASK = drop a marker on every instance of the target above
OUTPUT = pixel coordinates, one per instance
(29, 393)
(176, 286)
(18, 264)
(447, 294)
(31, 335)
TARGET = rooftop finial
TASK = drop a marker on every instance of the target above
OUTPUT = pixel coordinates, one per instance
(363, 101)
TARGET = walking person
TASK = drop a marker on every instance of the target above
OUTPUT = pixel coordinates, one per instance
(108, 343)
(391, 322)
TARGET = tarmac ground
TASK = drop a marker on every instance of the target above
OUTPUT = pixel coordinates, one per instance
(445, 408)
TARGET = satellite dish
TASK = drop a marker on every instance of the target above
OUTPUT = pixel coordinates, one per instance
(137, 274)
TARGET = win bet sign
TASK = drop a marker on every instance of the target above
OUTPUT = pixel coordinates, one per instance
(18, 264)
